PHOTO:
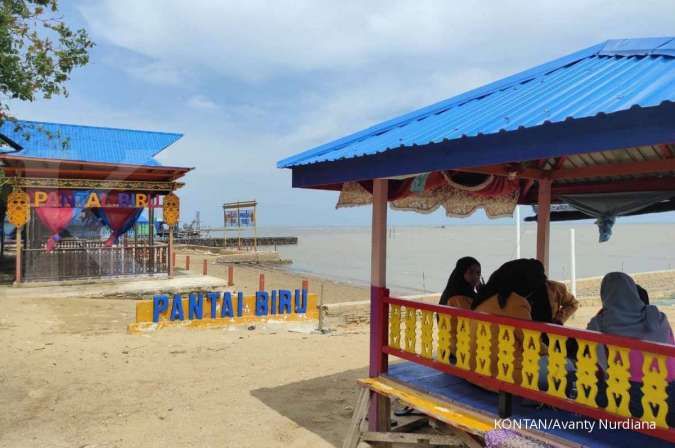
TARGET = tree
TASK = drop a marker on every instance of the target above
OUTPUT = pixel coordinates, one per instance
(4, 191)
(38, 51)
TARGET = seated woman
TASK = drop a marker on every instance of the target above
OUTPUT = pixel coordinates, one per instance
(463, 284)
(513, 291)
(624, 313)
(563, 306)
(644, 295)
(563, 303)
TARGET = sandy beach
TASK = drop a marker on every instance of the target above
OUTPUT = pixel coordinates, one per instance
(220, 238)
(73, 377)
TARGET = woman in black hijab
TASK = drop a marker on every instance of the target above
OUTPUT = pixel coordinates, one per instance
(525, 277)
(465, 280)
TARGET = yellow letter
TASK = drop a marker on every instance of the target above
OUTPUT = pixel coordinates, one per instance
(141, 200)
(92, 200)
(40, 198)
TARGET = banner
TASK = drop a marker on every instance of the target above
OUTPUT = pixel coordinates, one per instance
(235, 218)
(90, 199)
(220, 309)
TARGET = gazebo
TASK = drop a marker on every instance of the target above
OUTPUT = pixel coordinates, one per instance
(85, 189)
(595, 130)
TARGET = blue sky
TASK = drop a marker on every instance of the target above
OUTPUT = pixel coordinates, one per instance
(251, 82)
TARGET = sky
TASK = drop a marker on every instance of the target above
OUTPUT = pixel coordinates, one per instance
(251, 82)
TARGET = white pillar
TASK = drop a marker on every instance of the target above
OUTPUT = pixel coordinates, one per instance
(543, 222)
(573, 264)
(517, 231)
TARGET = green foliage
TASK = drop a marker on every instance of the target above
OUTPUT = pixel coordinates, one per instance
(4, 191)
(38, 51)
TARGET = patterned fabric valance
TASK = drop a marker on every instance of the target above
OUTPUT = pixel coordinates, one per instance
(460, 194)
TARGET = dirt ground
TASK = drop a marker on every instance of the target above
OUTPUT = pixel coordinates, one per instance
(72, 377)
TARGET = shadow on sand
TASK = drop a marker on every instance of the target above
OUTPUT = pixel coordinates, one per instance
(7, 266)
(322, 405)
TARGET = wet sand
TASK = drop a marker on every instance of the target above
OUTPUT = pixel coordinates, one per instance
(660, 284)
(246, 278)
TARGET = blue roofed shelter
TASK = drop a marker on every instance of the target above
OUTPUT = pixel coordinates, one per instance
(594, 130)
(600, 120)
(87, 188)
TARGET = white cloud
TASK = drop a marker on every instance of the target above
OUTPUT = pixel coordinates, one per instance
(202, 102)
(157, 73)
(258, 39)
(284, 76)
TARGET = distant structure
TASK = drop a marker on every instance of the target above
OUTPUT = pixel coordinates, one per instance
(239, 216)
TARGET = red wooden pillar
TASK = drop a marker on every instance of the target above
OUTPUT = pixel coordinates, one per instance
(379, 412)
(544, 221)
(230, 275)
(261, 282)
(205, 267)
(187, 262)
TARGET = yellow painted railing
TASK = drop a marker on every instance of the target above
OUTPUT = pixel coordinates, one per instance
(531, 359)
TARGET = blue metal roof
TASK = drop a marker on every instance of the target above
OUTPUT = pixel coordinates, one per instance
(610, 77)
(84, 143)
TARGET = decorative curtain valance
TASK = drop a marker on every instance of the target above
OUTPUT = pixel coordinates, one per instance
(461, 194)
(120, 220)
(56, 220)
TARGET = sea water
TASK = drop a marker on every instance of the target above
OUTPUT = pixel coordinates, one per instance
(419, 259)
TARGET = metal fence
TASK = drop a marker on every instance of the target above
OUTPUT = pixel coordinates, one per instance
(92, 259)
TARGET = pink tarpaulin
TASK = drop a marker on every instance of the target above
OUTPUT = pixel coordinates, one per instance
(56, 220)
(120, 220)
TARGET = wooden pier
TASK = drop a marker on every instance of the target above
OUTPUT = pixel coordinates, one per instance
(232, 242)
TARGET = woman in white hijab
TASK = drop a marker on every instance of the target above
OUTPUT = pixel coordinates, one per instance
(623, 313)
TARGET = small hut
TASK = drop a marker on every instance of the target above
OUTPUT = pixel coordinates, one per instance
(83, 190)
(595, 130)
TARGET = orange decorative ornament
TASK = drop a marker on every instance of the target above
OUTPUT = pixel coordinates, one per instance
(171, 209)
(18, 208)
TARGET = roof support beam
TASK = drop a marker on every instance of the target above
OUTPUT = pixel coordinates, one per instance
(559, 162)
(88, 174)
(666, 151)
(616, 186)
(507, 170)
(94, 184)
(622, 169)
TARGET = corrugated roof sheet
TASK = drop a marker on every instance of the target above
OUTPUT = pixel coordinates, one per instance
(610, 77)
(85, 143)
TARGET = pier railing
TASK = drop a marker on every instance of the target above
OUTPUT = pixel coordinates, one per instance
(244, 242)
(538, 361)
